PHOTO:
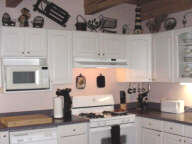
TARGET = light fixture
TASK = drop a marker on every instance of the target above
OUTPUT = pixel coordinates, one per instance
(186, 84)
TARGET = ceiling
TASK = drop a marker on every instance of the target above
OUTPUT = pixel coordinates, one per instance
(150, 8)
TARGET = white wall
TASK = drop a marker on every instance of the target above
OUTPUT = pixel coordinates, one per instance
(27, 101)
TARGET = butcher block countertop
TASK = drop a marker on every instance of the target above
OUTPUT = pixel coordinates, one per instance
(184, 118)
(55, 122)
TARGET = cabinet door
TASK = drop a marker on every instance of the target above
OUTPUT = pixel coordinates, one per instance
(86, 44)
(12, 42)
(36, 43)
(113, 46)
(151, 136)
(78, 139)
(183, 55)
(172, 139)
(162, 57)
(60, 56)
(139, 57)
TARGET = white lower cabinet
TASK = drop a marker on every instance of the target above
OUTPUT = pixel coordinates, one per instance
(172, 139)
(73, 134)
(151, 136)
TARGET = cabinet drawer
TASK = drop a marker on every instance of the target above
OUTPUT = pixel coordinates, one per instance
(173, 128)
(187, 141)
(152, 124)
(188, 131)
(70, 130)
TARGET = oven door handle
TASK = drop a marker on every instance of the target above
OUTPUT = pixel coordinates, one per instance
(100, 129)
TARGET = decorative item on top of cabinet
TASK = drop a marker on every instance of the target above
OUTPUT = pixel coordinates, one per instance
(52, 11)
(24, 18)
(6, 20)
(185, 19)
(100, 81)
(94, 24)
(107, 24)
(138, 27)
(125, 29)
(155, 24)
(80, 82)
(82, 26)
(170, 23)
(38, 22)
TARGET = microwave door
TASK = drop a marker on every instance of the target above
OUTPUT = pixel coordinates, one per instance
(21, 78)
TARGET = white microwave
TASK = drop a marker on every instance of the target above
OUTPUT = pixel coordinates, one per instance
(25, 74)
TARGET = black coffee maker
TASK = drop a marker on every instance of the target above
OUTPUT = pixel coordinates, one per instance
(67, 102)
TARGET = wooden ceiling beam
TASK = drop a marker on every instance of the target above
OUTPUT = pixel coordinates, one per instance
(94, 6)
(159, 7)
(12, 3)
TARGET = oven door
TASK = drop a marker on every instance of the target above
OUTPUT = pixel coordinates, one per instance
(102, 135)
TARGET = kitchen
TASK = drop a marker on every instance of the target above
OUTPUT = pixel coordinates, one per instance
(43, 100)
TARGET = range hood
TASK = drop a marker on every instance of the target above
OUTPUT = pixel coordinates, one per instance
(99, 62)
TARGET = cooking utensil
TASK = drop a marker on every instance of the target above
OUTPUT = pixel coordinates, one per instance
(80, 82)
(130, 90)
(100, 81)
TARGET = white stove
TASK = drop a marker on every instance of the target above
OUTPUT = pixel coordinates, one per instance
(99, 109)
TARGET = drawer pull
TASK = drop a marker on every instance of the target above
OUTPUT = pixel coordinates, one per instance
(170, 128)
(74, 130)
(149, 124)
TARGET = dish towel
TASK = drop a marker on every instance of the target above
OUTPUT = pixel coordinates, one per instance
(115, 134)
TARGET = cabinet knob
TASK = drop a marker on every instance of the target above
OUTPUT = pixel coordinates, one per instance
(28, 52)
(74, 130)
(159, 135)
(23, 52)
(103, 54)
(98, 54)
(179, 140)
(170, 128)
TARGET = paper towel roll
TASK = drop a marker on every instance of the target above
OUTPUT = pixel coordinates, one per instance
(58, 107)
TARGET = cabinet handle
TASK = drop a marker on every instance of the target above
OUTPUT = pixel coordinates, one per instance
(170, 128)
(103, 54)
(98, 54)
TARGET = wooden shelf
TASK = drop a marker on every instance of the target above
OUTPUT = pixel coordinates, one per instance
(13, 3)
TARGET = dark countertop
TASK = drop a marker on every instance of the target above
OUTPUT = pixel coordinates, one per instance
(184, 118)
(56, 122)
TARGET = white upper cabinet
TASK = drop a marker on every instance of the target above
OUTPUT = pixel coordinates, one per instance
(21, 42)
(96, 45)
(113, 45)
(86, 44)
(183, 55)
(138, 52)
(36, 42)
(60, 56)
(162, 55)
(12, 42)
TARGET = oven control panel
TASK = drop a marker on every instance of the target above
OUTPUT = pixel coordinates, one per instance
(112, 121)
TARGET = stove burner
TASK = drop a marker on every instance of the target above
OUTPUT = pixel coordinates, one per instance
(91, 115)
